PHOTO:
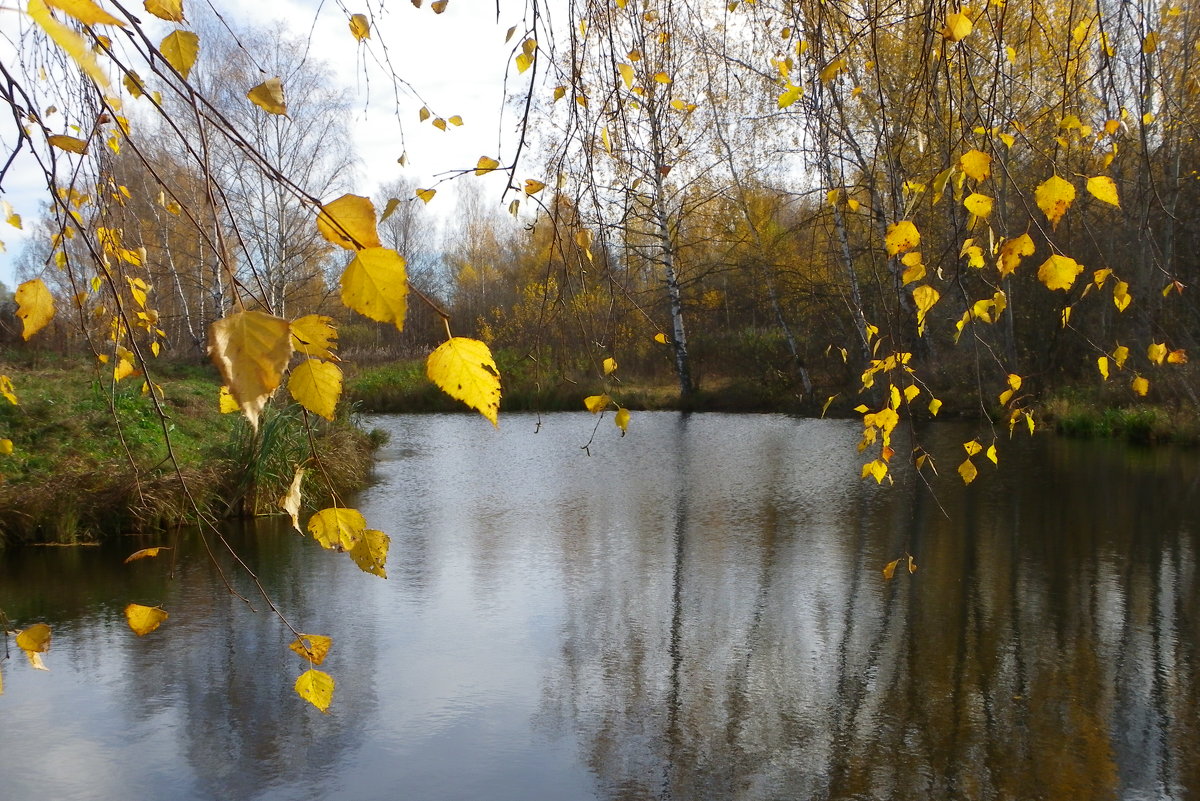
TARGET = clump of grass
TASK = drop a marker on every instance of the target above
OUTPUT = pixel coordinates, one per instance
(1077, 414)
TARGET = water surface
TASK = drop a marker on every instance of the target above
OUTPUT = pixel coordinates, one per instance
(695, 611)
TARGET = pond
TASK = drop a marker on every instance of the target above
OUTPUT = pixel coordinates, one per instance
(693, 611)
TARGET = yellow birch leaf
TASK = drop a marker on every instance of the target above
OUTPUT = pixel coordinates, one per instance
(314, 335)
(359, 27)
(979, 205)
(596, 403)
(268, 96)
(789, 96)
(976, 164)
(532, 187)
(439, 6)
(889, 569)
(876, 469)
(910, 392)
(1150, 43)
(1120, 355)
(662, 77)
(251, 350)
(610, 364)
(389, 209)
(68, 143)
(313, 647)
(660, 338)
(968, 471)
(426, 195)
(992, 455)
(316, 686)
(144, 619)
(464, 369)
(8, 390)
(1104, 189)
(35, 639)
(337, 527)
(831, 70)
(1141, 386)
(370, 553)
(170, 10)
(1059, 272)
(1177, 357)
(86, 12)
(290, 502)
(1100, 276)
(226, 403)
(35, 306)
(924, 296)
(70, 42)
(145, 553)
(349, 222)
(626, 72)
(1102, 366)
(524, 61)
(973, 447)
(958, 27)
(123, 370)
(456, 121)
(1121, 296)
(424, 113)
(375, 285)
(485, 165)
(6, 446)
(181, 49)
(622, 419)
(1156, 352)
(914, 273)
(901, 237)
(1054, 196)
(316, 385)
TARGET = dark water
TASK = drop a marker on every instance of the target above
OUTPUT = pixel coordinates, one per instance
(694, 612)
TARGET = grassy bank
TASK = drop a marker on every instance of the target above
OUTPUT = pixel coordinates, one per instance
(91, 459)
(1087, 413)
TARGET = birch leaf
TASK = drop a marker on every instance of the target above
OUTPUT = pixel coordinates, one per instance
(392, 204)
(1054, 196)
(1011, 253)
(86, 12)
(360, 27)
(225, 402)
(181, 49)
(145, 553)
(889, 569)
(144, 619)
(958, 27)
(976, 164)
(35, 307)
(924, 297)
(370, 552)
(316, 686)
(313, 647)
(316, 385)
(979, 205)
(349, 222)
(251, 350)
(170, 10)
(426, 195)
(337, 527)
(967, 471)
(375, 285)
(290, 502)
(68, 143)
(1156, 352)
(315, 336)
(1140, 386)
(268, 96)
(901, 237)
(1104, 189)
(532, 187)
(596, 403)
(34, 639)
(1059, 272)
(610, 365)
(622, 419)
(464, 369)
(485, 165)
(70, 42)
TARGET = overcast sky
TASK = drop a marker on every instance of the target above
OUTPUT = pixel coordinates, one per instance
(455, 60)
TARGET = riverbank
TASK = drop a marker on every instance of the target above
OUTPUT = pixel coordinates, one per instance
(1076, 411)
(89, 458)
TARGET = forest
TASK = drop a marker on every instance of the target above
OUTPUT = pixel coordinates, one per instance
(891, 211)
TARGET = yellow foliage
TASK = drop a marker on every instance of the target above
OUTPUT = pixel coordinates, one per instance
(315, 336)
(290, 502)
(180, 49)
(360, 28)
(464, 369)
(622, 419)
(1054, 196)
(1104, 189)
(70, 42)
(976, 164)
(375, 284)
(596, 403)
(337, 527)
(313, 647)
(35, 306)
(370, 552)
(924, 296)
(268, 96)
(170, 10)
(316, 385)
(349, 222)
(251, 350)
(68, 143)
(144, 619)
(485, 165)
(958, 27)
(901, 237)
(1059, 272)
(316, 686)
(145, 553)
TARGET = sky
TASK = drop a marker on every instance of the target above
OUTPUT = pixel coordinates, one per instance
(456, 61)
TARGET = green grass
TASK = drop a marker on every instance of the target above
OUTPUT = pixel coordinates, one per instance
(1081, 413)
(90, 459)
